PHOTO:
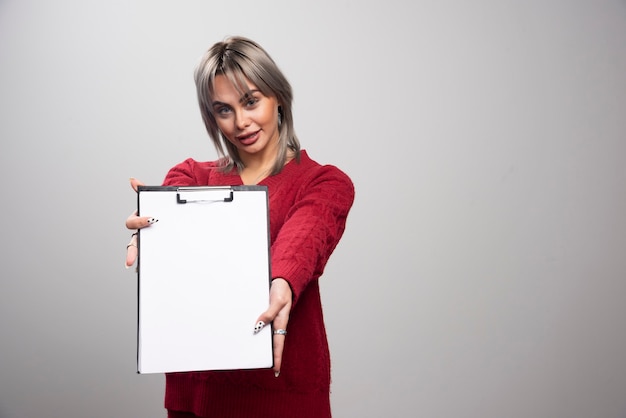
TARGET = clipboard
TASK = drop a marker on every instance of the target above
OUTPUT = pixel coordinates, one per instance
(203, 278)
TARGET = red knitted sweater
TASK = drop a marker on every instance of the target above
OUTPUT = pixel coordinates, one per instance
(309, 204)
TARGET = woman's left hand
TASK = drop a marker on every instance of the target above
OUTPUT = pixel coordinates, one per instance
(278, 315)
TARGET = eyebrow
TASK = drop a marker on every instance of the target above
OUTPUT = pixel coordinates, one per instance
(243, 98)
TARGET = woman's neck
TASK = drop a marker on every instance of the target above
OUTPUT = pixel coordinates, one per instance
(257, 167)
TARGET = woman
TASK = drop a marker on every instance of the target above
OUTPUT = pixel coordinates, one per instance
(245, 102)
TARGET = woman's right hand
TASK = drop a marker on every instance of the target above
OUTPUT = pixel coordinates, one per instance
(135, 222)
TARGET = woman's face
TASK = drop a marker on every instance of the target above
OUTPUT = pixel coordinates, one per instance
(249, 122)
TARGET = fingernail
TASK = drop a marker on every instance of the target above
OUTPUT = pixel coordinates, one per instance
(276, 374)
(152, 221)
(126, 266)
(258, 327)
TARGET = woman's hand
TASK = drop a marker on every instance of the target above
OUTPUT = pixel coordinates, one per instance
(278, 315)
(135, 222)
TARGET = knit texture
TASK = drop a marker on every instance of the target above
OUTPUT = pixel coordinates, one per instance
(309, 204)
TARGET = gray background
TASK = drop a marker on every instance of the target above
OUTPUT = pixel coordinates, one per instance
(482, 271)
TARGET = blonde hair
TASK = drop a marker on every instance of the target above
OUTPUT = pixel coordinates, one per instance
(242, 59)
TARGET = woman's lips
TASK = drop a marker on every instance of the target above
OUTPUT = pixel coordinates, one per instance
(248, 139)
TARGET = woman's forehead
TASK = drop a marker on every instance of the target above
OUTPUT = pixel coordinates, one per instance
(236, 85)
(227, 86)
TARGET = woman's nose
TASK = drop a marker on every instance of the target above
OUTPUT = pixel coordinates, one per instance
(241, 120)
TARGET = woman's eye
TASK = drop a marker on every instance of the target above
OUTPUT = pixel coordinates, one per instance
(222, 110)
(251, 101)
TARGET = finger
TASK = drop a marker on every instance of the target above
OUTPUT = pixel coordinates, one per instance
(131, 251)
(268, 316)
(131, 256)
(279, 339)
(134, 183)
(277, 314)
(138, 222)
(279, 346)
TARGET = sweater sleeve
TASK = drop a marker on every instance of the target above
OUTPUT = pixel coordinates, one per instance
(312, 229)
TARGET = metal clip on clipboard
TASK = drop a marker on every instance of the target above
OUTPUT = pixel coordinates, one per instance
(209, 194)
